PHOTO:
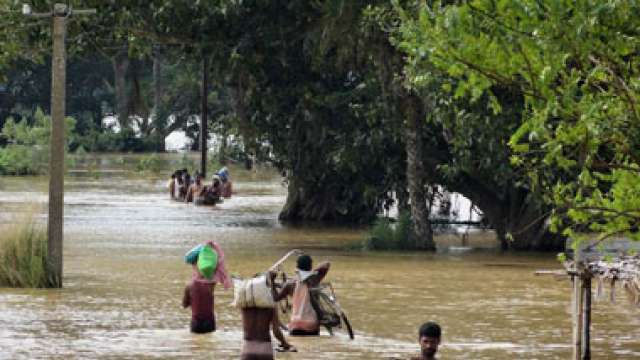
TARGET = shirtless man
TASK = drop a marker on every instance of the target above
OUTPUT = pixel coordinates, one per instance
(195, 191)
(429, 339)
(304, 320)
(199, 295)
(257, 324)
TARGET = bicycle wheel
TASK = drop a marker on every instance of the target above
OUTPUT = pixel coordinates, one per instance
(347, 324)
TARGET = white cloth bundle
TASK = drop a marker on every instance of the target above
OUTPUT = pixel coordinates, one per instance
(252, 293)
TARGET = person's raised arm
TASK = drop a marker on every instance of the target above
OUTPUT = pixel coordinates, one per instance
(321, 271)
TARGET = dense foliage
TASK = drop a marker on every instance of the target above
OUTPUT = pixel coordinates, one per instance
(576, 66)
(528, 108)
(27, 152)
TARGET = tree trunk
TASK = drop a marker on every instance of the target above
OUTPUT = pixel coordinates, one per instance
(402, 196)
(422, 234)
(120, 68)
(204, 117)
(137, 103)
(157, 81)
(222, 153)
(295, 197)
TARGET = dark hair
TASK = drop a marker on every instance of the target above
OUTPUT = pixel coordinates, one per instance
(430, 329)
(304, 262)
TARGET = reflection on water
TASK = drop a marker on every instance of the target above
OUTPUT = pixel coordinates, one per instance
(124, 278)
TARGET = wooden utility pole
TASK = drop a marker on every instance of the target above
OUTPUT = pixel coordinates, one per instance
(57, 143)
(203, 118)
(56, 152)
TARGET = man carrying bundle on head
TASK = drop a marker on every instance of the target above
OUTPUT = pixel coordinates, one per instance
(208, 269)
(257, 298)
(225, 179)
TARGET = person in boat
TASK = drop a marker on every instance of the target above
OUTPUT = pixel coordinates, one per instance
(199, 292)
(429, 337)
(225, 179)
(257, 325)
(195, 193)
(304, 319)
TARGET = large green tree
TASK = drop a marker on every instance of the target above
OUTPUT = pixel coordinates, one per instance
(575, 63)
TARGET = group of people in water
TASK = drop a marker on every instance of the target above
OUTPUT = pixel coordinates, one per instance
(258, 320)
(183, 187)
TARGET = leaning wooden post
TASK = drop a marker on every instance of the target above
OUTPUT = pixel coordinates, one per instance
(586, 317)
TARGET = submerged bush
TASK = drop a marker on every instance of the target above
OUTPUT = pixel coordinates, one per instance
(21, 160)
(27, 152)
(23, 255)
(150, 163)
(386, 235)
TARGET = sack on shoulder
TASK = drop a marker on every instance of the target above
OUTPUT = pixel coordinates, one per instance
(252, 293)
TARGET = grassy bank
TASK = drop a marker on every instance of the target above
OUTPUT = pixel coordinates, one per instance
(23, 252)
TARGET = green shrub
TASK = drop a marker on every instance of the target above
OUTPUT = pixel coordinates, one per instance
(23, 255)
(28, 149)
(386, 235)
(150, 163)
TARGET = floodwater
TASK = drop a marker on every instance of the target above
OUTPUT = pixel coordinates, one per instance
(124, 277)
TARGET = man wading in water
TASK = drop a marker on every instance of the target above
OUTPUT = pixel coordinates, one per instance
(304, 320)
(208, 269)
(199, 295)
(429, 340)
(257, 324)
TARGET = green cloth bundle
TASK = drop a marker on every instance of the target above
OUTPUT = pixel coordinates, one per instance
(207, 261)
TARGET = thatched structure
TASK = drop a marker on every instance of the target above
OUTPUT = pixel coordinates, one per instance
(623, 272)
(617, 270)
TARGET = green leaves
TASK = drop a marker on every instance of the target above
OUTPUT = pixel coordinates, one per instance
(577, 66)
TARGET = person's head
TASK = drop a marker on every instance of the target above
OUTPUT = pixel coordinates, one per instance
(429, 338)
(198, 179)
(304, 263)
(173, 176)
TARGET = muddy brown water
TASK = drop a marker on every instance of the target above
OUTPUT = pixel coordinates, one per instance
(124, 276)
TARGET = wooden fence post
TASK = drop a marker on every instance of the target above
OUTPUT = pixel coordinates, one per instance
(586, 317)
(577, 315)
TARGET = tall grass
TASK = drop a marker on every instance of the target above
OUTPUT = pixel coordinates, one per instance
(23, 254)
